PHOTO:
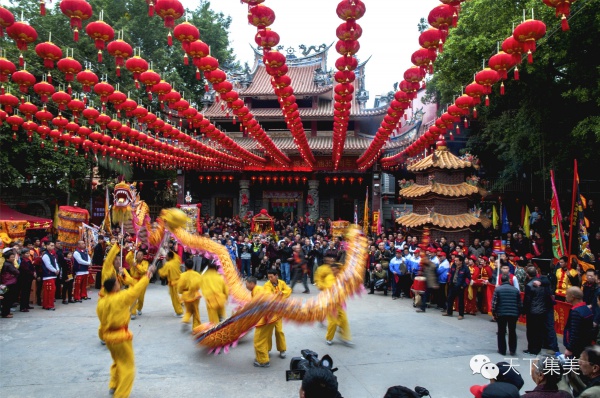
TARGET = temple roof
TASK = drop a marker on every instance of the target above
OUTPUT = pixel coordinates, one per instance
(464, 220)
(302, 82)
(323, 110)
(452, 190)
(440, 159)
(354, 145)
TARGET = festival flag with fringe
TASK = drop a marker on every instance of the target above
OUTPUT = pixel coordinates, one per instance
(495, 217)
(558, 237)
(579, 220)
(505, 223)
(107, 224)
(526, 221)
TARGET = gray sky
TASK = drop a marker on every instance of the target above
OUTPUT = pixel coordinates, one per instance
(390, 34)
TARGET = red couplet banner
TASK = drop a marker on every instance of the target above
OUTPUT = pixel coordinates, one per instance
(561, 311)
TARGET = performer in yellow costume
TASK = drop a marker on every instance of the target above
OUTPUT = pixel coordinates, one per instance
(324, 279)
(189, 288)
(172, 271)
(277, 288)
(261, 330)
(111, 269)
(137, 269)
(215, 293)
(113, 312)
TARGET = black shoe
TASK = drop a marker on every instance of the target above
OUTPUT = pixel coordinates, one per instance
(30, 308)
(71, 301)
(512, 354)
(420, 310)
(65, 302)
(24, 310)
(501, 353)
(306, 291)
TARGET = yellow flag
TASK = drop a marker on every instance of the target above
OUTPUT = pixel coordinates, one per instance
(526, 225)
(366, 214)
(495, 217)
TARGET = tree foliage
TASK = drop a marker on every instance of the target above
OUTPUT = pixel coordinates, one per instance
(50, 171)
(548, 117)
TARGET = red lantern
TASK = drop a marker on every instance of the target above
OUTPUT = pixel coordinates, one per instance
(432, 39)
(442, 17)
(7, 68)
(253, 178)
(136, 65)
(149, 78)
(44, 116)
(90, 114)
(464, 102)
(335, 180)
(87, 79)
(24, 79)
(69, 67)
(77, 11)
(487, 78)
(156, 182)
(186, 33)
(260, 179)
(501, 62)
(528, 33)
(266, 39)
(103, 89)
(347, 47)
(101, 33)
(15, 122)
(563, 9)
(475, 91)
(350, 10)
(49, 52)
(22, 33)
(28, 109)
(261, 16)
(201, 178)
(6, 19)
(360, 180)
(121, 50)
(414, 74)
(169, 11)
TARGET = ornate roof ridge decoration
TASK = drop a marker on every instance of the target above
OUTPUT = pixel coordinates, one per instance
(457, 221)
(451, 190)
(320, 54)
(441, 158)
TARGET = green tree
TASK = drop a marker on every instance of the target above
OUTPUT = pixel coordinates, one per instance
(26, 164)
(548, 117)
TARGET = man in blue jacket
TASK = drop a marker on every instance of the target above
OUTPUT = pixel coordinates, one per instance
(578, 331)
(396, 269)
(459, 278)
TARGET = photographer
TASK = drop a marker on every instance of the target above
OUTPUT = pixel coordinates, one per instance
(379, 274)
(319, 383)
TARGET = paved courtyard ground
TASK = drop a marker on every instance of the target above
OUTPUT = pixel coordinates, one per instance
(57, 354)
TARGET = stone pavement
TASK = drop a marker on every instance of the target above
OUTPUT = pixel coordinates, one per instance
(58, 354)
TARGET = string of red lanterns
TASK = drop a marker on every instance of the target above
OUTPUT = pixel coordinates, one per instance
(262, 17)
(347, 46)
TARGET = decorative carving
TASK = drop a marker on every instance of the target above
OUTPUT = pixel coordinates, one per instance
(405, 184)
(244, 197)
(208, 98)
(321, 78)
(306, 51)
(312, 200)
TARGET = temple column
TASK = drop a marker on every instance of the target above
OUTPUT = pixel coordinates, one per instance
(244, 197)
(312, 200)
(181, 185)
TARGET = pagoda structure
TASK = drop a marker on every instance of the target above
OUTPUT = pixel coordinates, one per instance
(442, 196)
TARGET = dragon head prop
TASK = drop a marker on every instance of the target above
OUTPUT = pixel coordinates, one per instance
(124, 197)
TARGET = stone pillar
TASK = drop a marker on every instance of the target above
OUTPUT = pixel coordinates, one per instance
(181, 185)
(244, 197)
(312, 200)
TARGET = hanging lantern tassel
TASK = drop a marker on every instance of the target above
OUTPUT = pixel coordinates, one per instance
(234, 121)
(197, 74)
(451, 137)
(43, 8)
(454, 19)
(564, 23)
(458, 129)
(241, 127)
(118, 71)
(502, 88)
(151, 9)
(76, 34)
(69, 89)
(149, 95)
(137, 84)
(49, 77)
(516, 73)
(170, 39)
(466, 123)
(487, 100)
(21, 60)
(430, 68)
(529, 57)
(99, 56)
(186, 60)
(440, 46)
(474, 113)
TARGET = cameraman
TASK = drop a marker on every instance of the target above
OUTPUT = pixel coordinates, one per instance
(319, 383)
(379, 274)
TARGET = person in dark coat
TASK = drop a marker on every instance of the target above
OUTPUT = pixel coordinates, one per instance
(546, 372)
(578, 330)
(60, 260)
(537, 302)
(459, 278)
(26, 277)
(506, 308)
(9, 276)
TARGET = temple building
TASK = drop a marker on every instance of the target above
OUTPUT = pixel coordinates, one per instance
(299, 190)
(442, 194)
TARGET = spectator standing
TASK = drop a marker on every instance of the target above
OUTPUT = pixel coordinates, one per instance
(26, 278)
(442, 274)
(506, 308)
(458, 279)
(9, 278)
(537, 302)
(578, 330)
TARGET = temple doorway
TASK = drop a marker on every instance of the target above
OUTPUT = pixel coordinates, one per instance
(223, 207)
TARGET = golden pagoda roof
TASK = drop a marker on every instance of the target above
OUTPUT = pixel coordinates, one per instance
(452, 190)
(457, 221)
(441, 158)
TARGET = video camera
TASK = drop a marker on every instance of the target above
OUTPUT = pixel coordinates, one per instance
(308, 360)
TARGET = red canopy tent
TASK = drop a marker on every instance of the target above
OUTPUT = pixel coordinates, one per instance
(14, 224)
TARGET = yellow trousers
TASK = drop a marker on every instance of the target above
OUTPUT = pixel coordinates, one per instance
(175, 299)
(262, 337)
(215, 315)
(139, 304)
(122, 371)
(338, 320)
(191, 310)
(279, 337)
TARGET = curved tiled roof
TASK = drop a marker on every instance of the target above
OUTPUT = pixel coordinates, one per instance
(452, 190)
(302, 81)
(464, 220)
(440, 159)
